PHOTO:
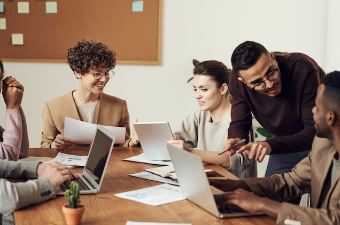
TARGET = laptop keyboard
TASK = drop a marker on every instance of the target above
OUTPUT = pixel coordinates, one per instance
(229, 208)
(82, 186)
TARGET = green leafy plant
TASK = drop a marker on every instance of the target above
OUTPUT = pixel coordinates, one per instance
(72, 195)
(264, 133)
(195, 62)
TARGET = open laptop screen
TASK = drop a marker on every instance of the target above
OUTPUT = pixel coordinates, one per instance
(97, 158)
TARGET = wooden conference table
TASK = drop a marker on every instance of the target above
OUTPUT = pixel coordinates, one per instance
(105, 208)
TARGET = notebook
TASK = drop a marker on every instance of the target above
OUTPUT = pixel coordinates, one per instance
(93, 174)
(153, 136)
(195, 186)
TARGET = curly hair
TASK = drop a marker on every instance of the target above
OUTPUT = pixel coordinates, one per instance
(89, 54)
(331, 94)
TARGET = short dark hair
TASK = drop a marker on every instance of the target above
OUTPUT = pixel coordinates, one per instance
(214, 69)
(89, 54)
(2, 67)
(246, 55)
(331, 94)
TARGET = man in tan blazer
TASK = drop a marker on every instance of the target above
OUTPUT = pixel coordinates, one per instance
(317, 174)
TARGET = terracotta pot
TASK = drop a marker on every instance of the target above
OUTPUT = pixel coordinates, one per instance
(73, 216)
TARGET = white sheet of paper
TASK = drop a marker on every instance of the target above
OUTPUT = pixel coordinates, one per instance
(151, 176)
(82, 133)
(153, 223)
(23, 7)
(156, 195)
(141, 159)
(2, 23)
(70, 160)
(17, 39)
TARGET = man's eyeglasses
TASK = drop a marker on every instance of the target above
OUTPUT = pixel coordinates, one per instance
(98, 75)
(261, 85)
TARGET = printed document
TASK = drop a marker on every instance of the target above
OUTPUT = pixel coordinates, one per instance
(69, 160)
(156, 195)
(82, 133)
(141, 158)
(151, 176)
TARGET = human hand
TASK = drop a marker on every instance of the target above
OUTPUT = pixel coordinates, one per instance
(12, 93)
(227, 145)
(61, 142)
(243, 199)
(256, 150)
(251, 202)
(55, 171)
(134, 139)
(178, 143)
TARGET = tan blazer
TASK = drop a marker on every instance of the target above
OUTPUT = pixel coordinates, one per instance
(307, 176)
(112, 112)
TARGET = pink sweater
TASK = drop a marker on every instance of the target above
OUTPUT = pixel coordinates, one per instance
(14, 140)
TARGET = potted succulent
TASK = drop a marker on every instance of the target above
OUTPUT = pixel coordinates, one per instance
(73, 211)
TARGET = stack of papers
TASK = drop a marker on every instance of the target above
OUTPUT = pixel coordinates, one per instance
(141, 158)
(151, 176)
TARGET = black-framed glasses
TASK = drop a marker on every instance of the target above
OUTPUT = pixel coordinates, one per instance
(272, 76)
(98, 75)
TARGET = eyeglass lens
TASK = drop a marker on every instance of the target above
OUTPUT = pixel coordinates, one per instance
(272, 76)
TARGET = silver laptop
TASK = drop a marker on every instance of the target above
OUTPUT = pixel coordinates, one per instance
(195, 186)
(153, 136)
(92, 177)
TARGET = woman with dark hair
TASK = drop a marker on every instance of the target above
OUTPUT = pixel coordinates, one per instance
(207, 128)
(92, 63)
(14, 139)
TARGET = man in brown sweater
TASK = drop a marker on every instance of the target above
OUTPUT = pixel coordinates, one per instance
(279, 90)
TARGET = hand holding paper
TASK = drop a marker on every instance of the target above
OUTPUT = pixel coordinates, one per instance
(82, 133)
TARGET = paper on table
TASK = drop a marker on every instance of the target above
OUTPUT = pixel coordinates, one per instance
(156, 195)
(141, 159)
(151, 176)
(70, 160)
(82, 133)
(154, 223)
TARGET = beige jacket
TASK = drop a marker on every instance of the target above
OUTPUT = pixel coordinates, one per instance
(112, 112)
(307, 176)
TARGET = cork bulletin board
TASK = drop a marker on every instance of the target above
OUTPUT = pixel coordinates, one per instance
(131, 28)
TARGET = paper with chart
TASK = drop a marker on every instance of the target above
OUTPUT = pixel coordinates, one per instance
(141, 159)
(156, 195)
(82, 133)
(70, 160)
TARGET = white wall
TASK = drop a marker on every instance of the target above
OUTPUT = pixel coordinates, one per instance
(201, 29)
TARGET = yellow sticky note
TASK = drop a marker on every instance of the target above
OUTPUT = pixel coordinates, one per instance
(137, 6)
(23, 7)
(2, 23)
(17, 39)
(51, 7)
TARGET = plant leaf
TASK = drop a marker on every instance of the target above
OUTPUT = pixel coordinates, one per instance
(190, 79)
(195, 62)
(264, 132)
